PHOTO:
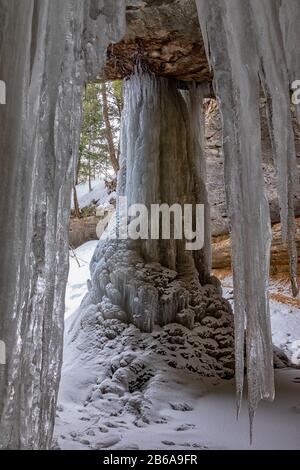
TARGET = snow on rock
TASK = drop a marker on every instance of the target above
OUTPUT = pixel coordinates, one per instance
(130, 390)
(112, 370)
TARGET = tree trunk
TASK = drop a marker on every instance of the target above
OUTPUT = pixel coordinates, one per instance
(77, 211)
(90, 175)
(78, 170)
(108, 131)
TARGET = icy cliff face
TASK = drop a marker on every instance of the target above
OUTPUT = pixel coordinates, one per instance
(48, 49)
(238, 37)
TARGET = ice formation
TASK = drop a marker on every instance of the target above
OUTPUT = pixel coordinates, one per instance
(157, 282)
(47, 50)
(159, 164)
(249, 45)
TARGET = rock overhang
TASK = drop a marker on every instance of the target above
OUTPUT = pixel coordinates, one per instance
(163, 35)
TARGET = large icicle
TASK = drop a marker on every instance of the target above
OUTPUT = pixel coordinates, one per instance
(275, 81)
(47, 49)
(289, 14)
(194, 100)
(231, 48)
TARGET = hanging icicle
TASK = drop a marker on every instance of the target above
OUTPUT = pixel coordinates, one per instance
(229, 39)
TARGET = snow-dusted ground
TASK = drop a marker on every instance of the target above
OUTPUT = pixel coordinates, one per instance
(176, 409)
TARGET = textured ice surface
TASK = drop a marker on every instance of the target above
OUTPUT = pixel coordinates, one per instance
(161, 153)
(47, 50)
(246, 45)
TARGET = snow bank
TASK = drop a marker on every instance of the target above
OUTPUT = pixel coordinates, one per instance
(122, 389)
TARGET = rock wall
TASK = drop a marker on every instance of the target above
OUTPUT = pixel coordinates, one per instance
(279, 263)
(215, 168)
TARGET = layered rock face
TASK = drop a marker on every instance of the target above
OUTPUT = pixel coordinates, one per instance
(279, 263)
(165, 36)
(215, 168)
(47, 50)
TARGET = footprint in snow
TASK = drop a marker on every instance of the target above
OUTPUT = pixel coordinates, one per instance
(85, 442)
(199, 446)
(162, 420)
(185, 427)
(103, 429)
(181, 407)
(128, 447)
(107, 442)
(112, 425)
(168, 443)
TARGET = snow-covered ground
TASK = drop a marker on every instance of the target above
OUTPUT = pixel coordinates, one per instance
(176, 409)
(97, 196)
(78, 275)
(285, 316)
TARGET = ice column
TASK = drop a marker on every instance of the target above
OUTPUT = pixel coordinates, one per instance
(163, 161)
(150, 279)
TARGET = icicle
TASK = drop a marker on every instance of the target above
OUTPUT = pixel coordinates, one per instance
(289, 14)
(194, 98)
(275, 81)
(289, 22)
(45, 60)
(235, 62)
